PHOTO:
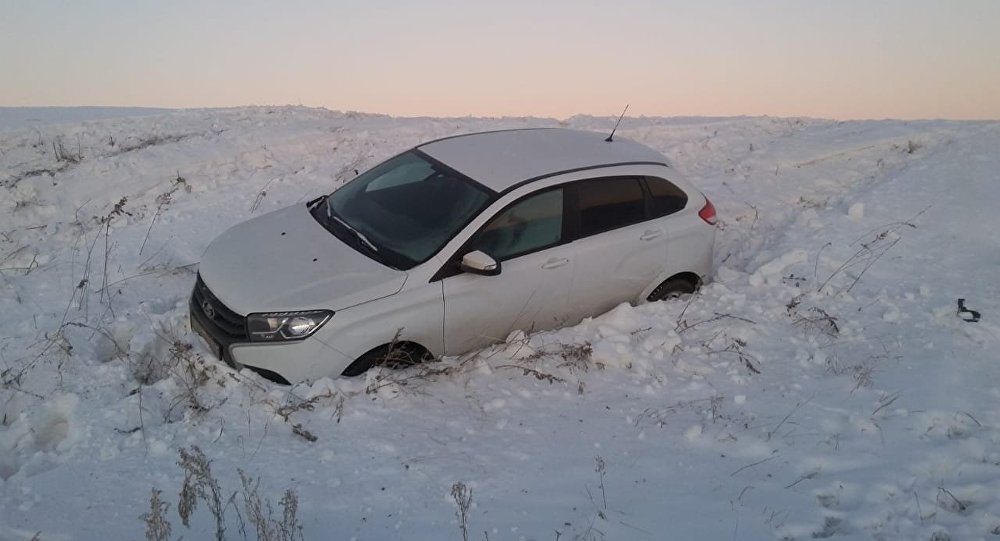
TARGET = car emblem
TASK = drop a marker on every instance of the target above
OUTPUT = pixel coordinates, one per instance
(208, 309)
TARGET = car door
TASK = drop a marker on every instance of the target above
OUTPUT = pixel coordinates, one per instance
(618, 252)
(528, 239)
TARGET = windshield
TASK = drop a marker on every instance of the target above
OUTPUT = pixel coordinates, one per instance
(402, 211)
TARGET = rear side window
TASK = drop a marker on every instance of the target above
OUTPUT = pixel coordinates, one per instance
(666, 197)
(528, 225)
(609, 203)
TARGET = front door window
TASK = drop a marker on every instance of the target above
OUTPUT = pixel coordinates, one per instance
(529, 225)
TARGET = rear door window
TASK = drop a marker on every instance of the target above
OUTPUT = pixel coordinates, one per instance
(667, 198)
(604, 204)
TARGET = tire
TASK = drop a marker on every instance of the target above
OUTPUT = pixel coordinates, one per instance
(400, 355)
(673, 288)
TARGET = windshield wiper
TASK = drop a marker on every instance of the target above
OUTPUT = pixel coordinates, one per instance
(313, 203)
(361, 236)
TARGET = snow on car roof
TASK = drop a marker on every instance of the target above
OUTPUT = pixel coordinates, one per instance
(501, 159)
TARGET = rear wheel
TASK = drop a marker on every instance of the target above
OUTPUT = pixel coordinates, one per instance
(397, 355)
(672, 289)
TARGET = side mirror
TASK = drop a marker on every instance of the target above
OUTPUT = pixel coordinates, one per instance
(479, 262)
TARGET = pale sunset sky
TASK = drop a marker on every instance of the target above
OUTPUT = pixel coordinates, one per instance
(843, 59)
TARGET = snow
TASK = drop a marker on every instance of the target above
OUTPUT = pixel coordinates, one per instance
(38, 116)
(823, 385)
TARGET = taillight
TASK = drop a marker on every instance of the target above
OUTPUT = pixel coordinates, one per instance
(707, 213)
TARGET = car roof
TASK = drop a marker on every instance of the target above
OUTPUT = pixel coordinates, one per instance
(502, 159)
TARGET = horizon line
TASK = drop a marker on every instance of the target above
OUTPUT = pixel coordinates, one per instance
(471, 115)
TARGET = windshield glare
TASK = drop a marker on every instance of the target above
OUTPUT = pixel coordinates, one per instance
(408, 206)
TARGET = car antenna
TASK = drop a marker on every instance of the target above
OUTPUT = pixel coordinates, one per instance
(611, 137)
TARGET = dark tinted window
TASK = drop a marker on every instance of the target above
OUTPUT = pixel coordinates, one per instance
(528, 225)
(667, 198)
(609, 203)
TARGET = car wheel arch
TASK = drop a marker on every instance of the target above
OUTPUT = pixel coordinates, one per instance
(675, 282)
(396, 354)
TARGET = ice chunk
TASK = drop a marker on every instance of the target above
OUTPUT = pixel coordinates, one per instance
(772, 269)
(857, 211)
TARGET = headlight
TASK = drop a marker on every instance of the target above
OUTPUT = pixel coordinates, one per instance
(281, 326)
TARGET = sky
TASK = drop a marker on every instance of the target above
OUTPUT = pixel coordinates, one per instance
(846, 59)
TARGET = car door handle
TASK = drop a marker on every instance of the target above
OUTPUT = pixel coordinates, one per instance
(555, 263)
(651, 234)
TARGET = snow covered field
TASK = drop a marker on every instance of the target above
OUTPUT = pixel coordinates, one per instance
(824, 385)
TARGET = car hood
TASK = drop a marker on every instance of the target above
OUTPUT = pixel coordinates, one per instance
(285, 260)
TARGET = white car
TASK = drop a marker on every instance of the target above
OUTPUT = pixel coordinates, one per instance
(450, 246)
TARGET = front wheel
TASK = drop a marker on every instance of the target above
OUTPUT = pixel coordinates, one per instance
(397, 355)
(673, 288)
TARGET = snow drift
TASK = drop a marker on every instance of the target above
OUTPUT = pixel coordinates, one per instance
(824, 385)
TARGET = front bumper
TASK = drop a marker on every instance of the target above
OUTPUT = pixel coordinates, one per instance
(225, 333)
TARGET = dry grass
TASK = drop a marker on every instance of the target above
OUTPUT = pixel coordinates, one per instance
(463, 499)
(157, 525)
(200, 485)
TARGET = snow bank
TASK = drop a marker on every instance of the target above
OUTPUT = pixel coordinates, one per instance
(823, 385)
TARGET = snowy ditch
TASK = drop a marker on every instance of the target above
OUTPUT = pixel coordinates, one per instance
(823, 385)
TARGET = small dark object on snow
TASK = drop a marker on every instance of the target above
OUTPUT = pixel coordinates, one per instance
(973, 315)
